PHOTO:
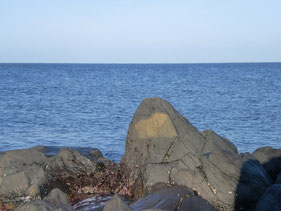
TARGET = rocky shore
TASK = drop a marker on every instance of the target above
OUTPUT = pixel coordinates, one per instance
(168, 165)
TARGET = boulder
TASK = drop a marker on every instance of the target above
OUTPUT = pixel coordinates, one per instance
(271, 199)
(23, 174)
(163, 148)
(72, 162)
(173, 198)
(158, 134)
(270, 159)
(96, 154)
(55, 201)
(116, 204)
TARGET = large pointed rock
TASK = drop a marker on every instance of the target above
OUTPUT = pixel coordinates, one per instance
(163, 149)
(158, 133)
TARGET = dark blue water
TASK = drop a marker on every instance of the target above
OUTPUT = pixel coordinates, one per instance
(91, 105)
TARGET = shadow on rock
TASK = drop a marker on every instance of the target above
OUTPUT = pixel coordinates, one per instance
(259, 175)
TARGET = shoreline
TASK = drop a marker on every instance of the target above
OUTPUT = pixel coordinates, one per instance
(165, 155)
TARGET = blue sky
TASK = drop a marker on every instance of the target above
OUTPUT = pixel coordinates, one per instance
(143, 31)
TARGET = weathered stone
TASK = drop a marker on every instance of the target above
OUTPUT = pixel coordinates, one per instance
(163, 148)
(157, 126)
(72, 162)
(116, 204)
(270, 159)
(246, 156)
(55, 201)
(172, 198)
(23, 174)
(214, 143)
(96, 154)
(271, 199)
(158, 133)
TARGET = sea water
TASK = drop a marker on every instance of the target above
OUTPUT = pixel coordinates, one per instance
(91, 105)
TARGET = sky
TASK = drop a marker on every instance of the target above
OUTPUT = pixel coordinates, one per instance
(143, 31)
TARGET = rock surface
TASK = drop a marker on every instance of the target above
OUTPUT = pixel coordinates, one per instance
(270, 159)
(55, 201)
(23, 174)
(163, 148)
(158, 133)
(214, 142)
(278, 180)
(116, 204)
(72, 162)
(271, 199)
(173, 198)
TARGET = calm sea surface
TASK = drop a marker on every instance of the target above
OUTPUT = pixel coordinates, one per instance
(91, 105)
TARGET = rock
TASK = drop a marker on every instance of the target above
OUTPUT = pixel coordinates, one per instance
(72, 162)
(253, 182)
(23, 174)
(163, 148)
(278, 180)
(173, 198)
(270, 159)
(55, 201)
(116, 204)
(157, 134)
(96, 154)
(271, 199)
(216, 143)
(246, 156)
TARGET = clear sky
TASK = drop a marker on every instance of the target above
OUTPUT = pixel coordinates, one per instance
(140, 31)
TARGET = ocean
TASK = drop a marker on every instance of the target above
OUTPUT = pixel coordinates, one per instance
(91, 105)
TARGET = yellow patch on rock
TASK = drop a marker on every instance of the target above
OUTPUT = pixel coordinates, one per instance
(158, 125)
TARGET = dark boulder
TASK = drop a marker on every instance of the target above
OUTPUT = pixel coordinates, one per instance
(270, 159)
(116, 204)
(278, 180)
(55, 201)
(173, 198)
(252, 183)
(271, 199)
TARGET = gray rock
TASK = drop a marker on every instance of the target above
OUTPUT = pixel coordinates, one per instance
(163, 148)
(246, 156)
(271, 199)
(23, 174)
(116, 204)
(173, 198)
(158, 133)
(270, 159)
(216, 143)
(96, 154)
(71, 162)
(55, 201)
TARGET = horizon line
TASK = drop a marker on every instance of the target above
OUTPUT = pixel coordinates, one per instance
(138, 63)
